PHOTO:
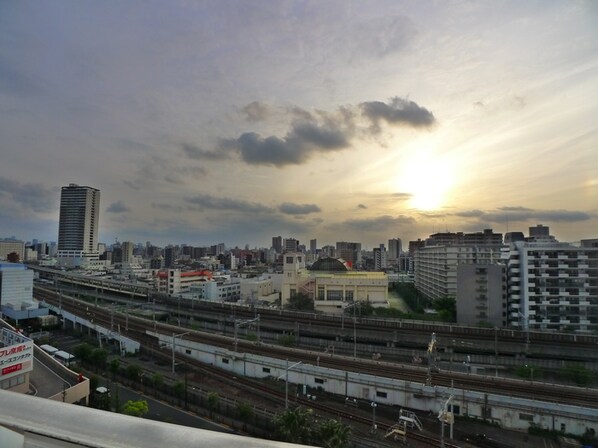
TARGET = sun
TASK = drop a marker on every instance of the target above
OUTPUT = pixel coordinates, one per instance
(428, 180)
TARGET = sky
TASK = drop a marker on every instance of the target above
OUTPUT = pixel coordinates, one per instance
(235, 121)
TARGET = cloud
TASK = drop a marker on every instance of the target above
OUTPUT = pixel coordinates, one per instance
(398, 111)
(361, 206)
(195, 152)
(470, 214)
(302, 141)
(31, 196)
(537, 215)
(167, 207)
(298, 209)
(118, 207)
(256, 111)
(213, 203)
(515, 209)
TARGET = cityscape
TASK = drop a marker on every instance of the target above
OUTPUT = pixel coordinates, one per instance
(331, 224)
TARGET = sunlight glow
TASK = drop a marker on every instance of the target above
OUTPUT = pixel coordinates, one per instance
(429, 179)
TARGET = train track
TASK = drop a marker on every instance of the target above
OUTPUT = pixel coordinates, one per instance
(136, 327)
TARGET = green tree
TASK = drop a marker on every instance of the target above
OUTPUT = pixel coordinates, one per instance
(579, 375)
(134, 372)
(287, 340)
(83, 352)
(136, 408)
(179, 389)
(300, 302)
(244, 411)
(98, 358)
(213, 400)
(333, 434)
(294, 425)
(157, 381)
(446, 308)
(114, 367)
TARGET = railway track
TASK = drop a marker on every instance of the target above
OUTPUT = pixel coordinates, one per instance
(135, 327)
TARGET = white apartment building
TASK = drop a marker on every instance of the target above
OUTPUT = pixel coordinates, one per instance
(174, 281)
(16, 292)
(436, 266)
(220, 290)
(553, 286)
(380, 258)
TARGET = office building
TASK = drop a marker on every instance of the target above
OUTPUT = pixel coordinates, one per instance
(78, 226)
(10, 246)
(277, 244)
(291, 245)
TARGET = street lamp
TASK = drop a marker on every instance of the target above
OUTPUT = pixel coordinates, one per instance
(286, 385)
(374, 405)
(174, 336)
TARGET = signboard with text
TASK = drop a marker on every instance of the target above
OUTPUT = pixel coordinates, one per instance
(16, 355)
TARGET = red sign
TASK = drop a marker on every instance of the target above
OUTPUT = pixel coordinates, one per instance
(11, 369)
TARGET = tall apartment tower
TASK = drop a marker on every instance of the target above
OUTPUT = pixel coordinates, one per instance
(394, 250)
(78, 225)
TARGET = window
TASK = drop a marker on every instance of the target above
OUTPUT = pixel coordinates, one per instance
(224, 360)
(349, 296)
(266, 369)
(318, 380)
(381, 394)
(289, 260)
(526, 417)
(334, 295)
(187, 351)
(321, 293)
(455, 408)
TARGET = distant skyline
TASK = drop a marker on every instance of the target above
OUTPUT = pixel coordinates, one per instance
(231, 121)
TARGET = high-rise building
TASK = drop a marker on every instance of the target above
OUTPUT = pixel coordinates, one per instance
(350, 252)
(8, 246)
(380, 258)
(553, 286)
(394, 250)
(127, 252)
(277, 244)
(78, 225)
(291, 245)
(313, 246)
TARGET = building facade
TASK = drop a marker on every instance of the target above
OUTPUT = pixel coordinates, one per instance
(331, 284)
(436, 266)
(8, 246)
(553, 286)
(78, 226)
(482, 295)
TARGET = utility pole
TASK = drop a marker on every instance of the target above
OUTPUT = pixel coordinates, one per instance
(286, 384)
(174, 336)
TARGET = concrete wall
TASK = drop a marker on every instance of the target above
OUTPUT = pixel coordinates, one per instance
(512, 413)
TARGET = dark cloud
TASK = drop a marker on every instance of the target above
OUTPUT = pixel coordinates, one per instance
(401, 196)
(31, 196)
(515, 209)
(195, 152)
(167, 207)
(118, 207)
(470, 214)
(131, 144)
(256, 111)
(298, 209)
(378, 224)
(524, 214)
(213, 203)
(398, 111)
(303, 140)
(361, 206)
